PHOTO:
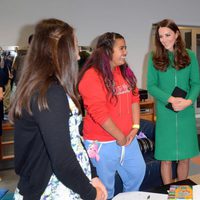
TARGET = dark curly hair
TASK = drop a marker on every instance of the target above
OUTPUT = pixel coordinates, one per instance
(100, 60)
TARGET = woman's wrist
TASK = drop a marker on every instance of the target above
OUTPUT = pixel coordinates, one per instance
(136, 126)
(171, 99)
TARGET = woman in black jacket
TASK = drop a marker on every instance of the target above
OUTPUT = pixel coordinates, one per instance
(49, 156)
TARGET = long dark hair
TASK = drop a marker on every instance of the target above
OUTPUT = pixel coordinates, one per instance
(51, 58)
(100, 61)
(160, 56)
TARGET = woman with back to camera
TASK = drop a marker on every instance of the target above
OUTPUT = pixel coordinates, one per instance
(108, 88)
(173, 69)
(49, 156)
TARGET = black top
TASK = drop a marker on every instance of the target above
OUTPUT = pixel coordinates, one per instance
(42, 147)
(1, 102)
(4, 76)
(1, 77)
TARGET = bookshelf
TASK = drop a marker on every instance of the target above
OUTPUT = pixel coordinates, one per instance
(7, 142)
(147, 110)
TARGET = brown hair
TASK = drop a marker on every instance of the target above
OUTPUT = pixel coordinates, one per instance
(51, 58)
(160, 56)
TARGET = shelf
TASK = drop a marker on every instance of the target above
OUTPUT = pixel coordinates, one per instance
(147, 110)
(9, 157)
(6, 126)
(7, 141)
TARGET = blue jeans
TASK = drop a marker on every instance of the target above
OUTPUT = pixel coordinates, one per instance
(128, 161)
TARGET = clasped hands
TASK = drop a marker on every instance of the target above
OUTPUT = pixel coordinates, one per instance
(179, 103)
(126, 140)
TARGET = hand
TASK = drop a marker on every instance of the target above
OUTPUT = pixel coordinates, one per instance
(122, 141)
(181, 104)
(173, 100)
(131, 136)
(101, 190)
(11, 76)
(100, 195)
(1, 93)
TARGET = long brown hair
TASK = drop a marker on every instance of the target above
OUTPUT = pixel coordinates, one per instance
(51, 58)
(160, 56)
(100, 60)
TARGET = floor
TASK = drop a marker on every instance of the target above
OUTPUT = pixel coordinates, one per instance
(9, 179)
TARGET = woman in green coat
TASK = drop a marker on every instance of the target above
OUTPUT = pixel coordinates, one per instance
(170, 66)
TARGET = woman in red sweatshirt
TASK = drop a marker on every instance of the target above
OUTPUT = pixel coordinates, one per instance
(111, 100)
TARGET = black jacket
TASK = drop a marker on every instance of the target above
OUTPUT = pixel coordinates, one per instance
(42, 147)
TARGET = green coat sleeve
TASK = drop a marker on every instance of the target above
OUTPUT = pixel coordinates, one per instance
(152, 83)
(194, 78)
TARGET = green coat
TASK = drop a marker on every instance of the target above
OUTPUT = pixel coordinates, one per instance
(176, 133)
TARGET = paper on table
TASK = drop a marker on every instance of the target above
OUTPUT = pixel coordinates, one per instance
(196, 192)
(140, 196)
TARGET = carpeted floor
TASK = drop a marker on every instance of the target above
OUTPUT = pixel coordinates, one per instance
(8, 179)
(194, 174)
(195, 166)
(196, 160)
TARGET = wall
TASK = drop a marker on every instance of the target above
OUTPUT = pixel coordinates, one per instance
(131, 18)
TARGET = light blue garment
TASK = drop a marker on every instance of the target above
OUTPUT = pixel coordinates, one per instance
(128, 161)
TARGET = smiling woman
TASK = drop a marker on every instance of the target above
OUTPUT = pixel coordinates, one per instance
(191, 38)
(168, 37)
(172, 66)
(112, 113)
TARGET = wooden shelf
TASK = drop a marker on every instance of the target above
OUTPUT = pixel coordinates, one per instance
(9, 157)
(147, 110)
(7, 142)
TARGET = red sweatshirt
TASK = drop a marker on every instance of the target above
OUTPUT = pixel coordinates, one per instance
(99, 108)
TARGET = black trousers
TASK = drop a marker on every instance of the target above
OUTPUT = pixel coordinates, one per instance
(1, 116)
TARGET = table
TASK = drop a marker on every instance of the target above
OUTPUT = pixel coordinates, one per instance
(140, 196)
(164, 188)
(159, 193)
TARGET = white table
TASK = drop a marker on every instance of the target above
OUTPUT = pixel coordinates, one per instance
(140, 196)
